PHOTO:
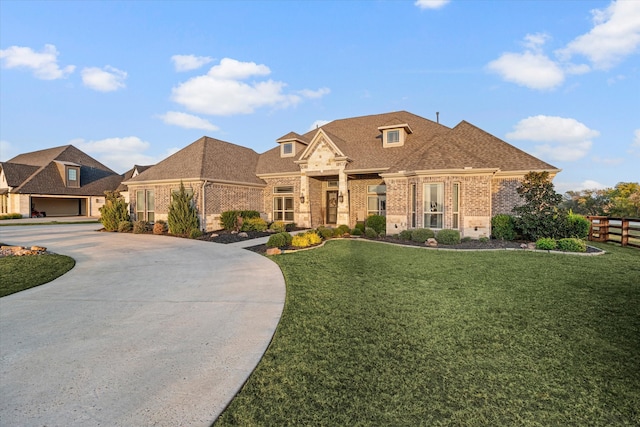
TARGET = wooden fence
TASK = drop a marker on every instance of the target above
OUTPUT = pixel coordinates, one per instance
(624, 231)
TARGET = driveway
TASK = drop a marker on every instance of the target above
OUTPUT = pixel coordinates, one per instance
(144, 331)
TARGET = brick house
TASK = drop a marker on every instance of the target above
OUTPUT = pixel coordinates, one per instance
(416, 172)
(60, 181)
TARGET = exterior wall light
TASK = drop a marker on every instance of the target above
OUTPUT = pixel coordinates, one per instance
(340, 197)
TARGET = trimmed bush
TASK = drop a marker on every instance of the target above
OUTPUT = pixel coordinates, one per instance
(370, 233)
(356, 232)
(326, 232)
(421, 235)
(503, 227)
(114, 211)
(140, 227)
(229, 219)
(483, 239)
(303, 240)
(448, 237)
(546, 244)
(577, 226)
(341, 230)
(125, 226)
(195, 233)
(254, 224)
(291, 226)
(279, 240)
(377, 222)
(466, 239)
(278, 227)
(405, 235)
(571, 244)
(11, 216)
(361, 226)
(160, 227)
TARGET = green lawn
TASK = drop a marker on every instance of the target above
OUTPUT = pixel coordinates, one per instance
(20, 273)
(378, 335)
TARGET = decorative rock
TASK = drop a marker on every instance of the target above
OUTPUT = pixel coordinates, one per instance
(38, 249)
(273, 251)
(431, 242)
(523, 246)
(243, 235)
(531, 245)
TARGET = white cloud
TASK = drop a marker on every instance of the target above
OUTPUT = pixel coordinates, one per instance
(564, 139)
(103, 80)
(615, 35)
(317, 124)
(431, 4)
(187, 121)
(223, 92)
(314, 94)
(189, 62)
(531, 69)
(6, 151)
(44, 64)
(119, 154)
(635, 145)
(608, 161)
(589, 184)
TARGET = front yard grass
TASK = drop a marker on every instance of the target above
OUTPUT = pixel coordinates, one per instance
(18, 273)
(374, 334)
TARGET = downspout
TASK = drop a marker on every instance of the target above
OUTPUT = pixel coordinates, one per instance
(204, 207)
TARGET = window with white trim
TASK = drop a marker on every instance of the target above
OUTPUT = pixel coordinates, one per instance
(377, 200)
(145, 205)
(434, 205)
(283, 203)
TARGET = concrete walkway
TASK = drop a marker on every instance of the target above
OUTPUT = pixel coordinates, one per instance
(144, 330)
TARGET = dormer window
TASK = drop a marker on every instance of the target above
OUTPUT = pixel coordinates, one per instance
(287, 149)
(394, 135)
(73, 176)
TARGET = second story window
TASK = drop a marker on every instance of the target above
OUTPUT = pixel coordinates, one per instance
(393, 136)
(73, 177)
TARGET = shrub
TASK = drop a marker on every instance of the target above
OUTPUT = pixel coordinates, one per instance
(140, 227)
(361, 226)
(326, 232)
(300, 241)
(546, 243)
(229, 219)
(313, 237)
(254, 224)
(571, 244)
(377, 222)
(114, 211)
(160, 227)
(421, 235)
(468, 239)
(405, 235)
(448, 237)
(483, 239)
(183, 217)
(278, 227)
(291, 226)
(341, 230)
(279, 240)
(356, 232)
(539, 216)
(11, 216)
(125, 226)
(577, 226)
(370, 233)
(503, 227)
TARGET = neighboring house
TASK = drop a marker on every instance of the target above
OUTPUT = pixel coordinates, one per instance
(131, 173)
(60, 181)
(416, 172)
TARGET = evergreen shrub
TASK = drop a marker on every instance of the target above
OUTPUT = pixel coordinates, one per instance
(577, 226)
(571, 244)
(448, 237)
(160, 227)
(341, 230)
(11, 216)
(183, 217)
(421, 235)
(356, 232)
(254, 224)
(326, 232)
(546, 243)
(503, 227)
(279, 240)
(114, 211)
(405, 235)
(278, 226)
(125, 226)
(377, 222)
(140, 227)
(370, 233)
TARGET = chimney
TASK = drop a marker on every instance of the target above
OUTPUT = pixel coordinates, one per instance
(437, 116)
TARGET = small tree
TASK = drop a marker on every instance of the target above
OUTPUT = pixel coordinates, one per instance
(114, 211)
(183, 217)
(539, 216)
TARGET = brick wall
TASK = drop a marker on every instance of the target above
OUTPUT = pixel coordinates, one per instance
(358, 198)
(504, 196)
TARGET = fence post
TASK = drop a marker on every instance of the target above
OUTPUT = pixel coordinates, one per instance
(624, 240)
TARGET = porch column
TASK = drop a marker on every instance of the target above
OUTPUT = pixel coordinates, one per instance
(304, 208)
(343, 207)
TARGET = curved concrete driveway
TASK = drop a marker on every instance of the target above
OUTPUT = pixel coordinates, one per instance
(144, 330)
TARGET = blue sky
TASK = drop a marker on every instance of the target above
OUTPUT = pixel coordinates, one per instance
(130, 82)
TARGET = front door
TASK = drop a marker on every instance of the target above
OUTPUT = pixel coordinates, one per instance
(332, 207)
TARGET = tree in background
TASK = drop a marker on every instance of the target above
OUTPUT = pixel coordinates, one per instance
(182, 218)
(540, 215)
(114, 211)
(623, 200)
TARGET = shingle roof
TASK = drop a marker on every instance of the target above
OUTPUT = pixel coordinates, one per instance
(38, 173)
(206, 158)
(430, 146)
